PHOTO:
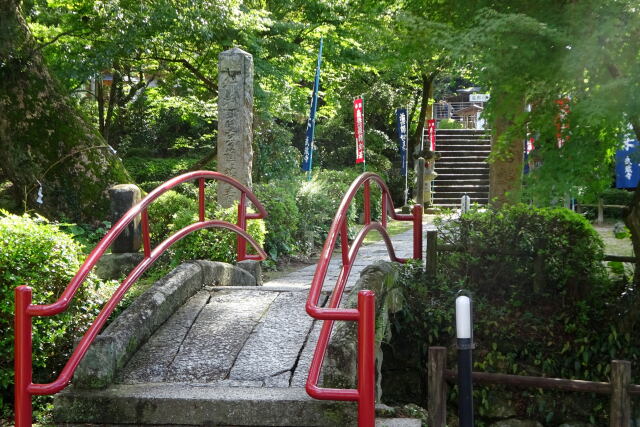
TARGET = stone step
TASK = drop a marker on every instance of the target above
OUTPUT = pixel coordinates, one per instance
(462, 131)
(469, 189)
(464, 153)
(455, 176)
(456, 197)
(460, 171)
(460, 181)
(471, 159)
(465, 142)
(458, 194)
(470, 138)
(461, 165)
(455, 203)
(199, 404)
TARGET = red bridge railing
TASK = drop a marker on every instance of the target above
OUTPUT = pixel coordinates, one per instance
(365, 313)
(24, 387)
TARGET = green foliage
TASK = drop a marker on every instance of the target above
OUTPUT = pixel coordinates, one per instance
(144, 169)
(173, 211)
(36, 253)
(570, 327)
(283, 219)
(86, 235)
(564, 244)
(450, 124)
(614, 196)
(274, 156)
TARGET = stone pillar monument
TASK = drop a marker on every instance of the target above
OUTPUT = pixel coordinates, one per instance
(235, 118)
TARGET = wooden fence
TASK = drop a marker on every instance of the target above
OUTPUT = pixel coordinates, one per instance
(600, 205)
(620, 387)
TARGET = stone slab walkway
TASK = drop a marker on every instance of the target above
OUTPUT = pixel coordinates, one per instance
(252, 343)
(246, 336)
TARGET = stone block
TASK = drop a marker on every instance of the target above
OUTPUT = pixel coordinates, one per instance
(253, 267)
(223, 274)
(123, 197)
(116, 265)
(235, 120)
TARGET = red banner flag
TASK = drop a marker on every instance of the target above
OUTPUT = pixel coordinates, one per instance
(431, 123)
(358, 126)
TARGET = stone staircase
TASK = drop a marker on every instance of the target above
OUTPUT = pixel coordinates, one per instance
(462, 168)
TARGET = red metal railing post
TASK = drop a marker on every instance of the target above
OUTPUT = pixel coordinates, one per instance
(367, 203)
(146, 240)
(201, 198)
(366, 359)
(417, 231)
(242, 223)
(384, 209)
(23, 357)
(344, 243)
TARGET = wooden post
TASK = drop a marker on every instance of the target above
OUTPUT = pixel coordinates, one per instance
(600, 212)
(420, 183)
(437, 387)
(432, 253)
(620, 414)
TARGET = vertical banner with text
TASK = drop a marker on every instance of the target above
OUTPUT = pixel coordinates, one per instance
(307, 159)
(431, 126)
(401, 128)
(358, 126)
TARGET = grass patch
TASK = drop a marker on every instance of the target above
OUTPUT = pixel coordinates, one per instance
(393, 228)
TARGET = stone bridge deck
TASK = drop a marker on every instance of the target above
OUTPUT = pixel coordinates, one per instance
(231, 355)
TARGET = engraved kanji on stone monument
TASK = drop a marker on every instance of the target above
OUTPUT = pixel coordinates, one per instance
(235, 118)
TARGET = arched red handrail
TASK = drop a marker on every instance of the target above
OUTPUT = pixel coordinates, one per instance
(24, 388)
(365, 313)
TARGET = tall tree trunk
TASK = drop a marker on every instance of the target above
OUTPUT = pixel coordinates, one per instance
(505, 167)
(427, 92)
(44, 142)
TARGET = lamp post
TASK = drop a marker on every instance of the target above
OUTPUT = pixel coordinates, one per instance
(464, 334)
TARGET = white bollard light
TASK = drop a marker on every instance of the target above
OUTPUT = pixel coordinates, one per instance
(463, 317)
(464, 333)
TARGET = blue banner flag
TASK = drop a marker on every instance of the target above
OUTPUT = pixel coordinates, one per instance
(401, 129)
(307, 159)
(628, 164)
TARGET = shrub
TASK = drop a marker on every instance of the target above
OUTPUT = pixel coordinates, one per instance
(550, 251)
(569, 328)
(274, 156)
(157, 169)
(318, 201)
(450, 124)
(36, 253)
(283, 219)
(173, 211)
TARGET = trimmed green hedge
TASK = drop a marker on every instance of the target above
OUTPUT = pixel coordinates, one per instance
(36, 253)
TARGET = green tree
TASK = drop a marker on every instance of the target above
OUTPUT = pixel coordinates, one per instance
(55, 160)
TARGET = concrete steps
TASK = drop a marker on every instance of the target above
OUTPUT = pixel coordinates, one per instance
(462, 167)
